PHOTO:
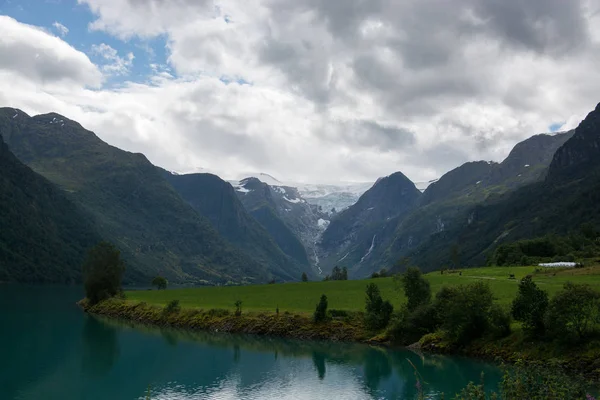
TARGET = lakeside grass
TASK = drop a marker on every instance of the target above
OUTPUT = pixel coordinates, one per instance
(350, 295)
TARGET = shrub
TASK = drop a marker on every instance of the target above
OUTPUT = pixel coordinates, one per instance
(238, 308)
(172, 307)
(416, 288)
(529, 307)
(103, 271)
(378, 312)
(320, 314)
(160, 282)
(499, 321)
(464, 310)
(574, 311)
(218, 312)
(408, 327)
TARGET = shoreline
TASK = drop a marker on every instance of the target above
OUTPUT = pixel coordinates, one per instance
(584, 361)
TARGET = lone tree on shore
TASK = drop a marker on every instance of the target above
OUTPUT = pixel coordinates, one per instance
(320, 314)
(103, 271)
(160, 282)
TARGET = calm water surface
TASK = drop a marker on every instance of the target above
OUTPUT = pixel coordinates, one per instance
(52, 350)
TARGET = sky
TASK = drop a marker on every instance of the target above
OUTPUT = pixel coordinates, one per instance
(306, 90)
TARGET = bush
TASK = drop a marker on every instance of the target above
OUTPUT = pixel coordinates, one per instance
(378, 312)
(409, 327)
(416, 288)
(160, 282)
(530, 305)
(464, 310)
(499, 321)
(218, 312)
(238, 308)
(172, 307)
(103, 271)
(574, 312)
(320, 314)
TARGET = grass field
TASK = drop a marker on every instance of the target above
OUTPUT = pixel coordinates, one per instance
(350, 295)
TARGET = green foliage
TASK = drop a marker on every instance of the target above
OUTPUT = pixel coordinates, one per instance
(172, 307)
(574, 312)
(320, 314)
(540, 382)
(530, 305)
(416, 288)
(339, 274)
(44, 236)
(499, 321)
(475, 392)
(238, 308)
(408, 327)
(549, 248)
(464, 310)
(103, 271)
(304, 277)
(377, 311)
(160, 282)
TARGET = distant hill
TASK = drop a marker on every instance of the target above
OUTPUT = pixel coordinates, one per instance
(566, 196)
(216, 200)
(44, 236)
(131, 202)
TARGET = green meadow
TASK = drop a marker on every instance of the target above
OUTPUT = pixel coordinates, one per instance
(350, 295)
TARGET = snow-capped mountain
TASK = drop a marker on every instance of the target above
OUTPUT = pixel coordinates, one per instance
(332, 198)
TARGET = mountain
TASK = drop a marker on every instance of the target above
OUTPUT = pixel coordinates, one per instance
(294, 224)
(216, 200)
(44, 235)
(131, 202)
(354, 234)
(565, 196)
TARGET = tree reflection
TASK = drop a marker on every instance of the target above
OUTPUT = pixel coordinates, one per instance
(377, 367)
(319, 361)
(100, 347)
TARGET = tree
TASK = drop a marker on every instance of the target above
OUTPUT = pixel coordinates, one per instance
(304, 277)
(321, 310)
(344, 276)
(160, 282)
(377, 311)
(416, 288)
(530, 305)
(574, 311)
(339, 274)
(238, 308)
(464, 310)
(103, 271)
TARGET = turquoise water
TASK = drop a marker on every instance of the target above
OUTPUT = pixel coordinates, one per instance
(52, 350)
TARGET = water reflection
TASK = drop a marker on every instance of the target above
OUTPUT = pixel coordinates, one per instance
(76, 356)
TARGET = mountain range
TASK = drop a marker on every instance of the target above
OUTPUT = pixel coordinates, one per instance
(62, 189)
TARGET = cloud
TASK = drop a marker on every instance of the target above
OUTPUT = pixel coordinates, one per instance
(60, 28)
(116, 65)
(339, 90)
(42, 58)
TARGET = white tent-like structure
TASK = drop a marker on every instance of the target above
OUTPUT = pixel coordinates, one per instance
(558, 265)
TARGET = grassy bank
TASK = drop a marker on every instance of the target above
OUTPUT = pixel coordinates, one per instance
(350, 295)
(212, 309)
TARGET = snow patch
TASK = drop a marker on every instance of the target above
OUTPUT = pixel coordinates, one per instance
(323, 223)
(15, 116)
(295, 201)
(370, 249)
(279, 189)
(478, 182)
(527, 165)
(343, 258)
(370, 208)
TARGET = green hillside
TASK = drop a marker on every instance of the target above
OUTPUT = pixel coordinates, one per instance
(43, 235)
(132, 204)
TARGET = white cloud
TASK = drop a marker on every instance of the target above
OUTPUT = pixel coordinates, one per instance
(60, 28)
(116, 65)
(41, 58)
(348, 90)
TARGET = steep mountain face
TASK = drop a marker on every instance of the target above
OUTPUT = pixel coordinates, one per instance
(44, 236)
(557, 203)
(580, 153)
(281, 210)
(132, 204)
(354, 236)
(216, 200)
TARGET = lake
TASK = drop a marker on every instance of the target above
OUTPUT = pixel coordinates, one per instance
(52, 350)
